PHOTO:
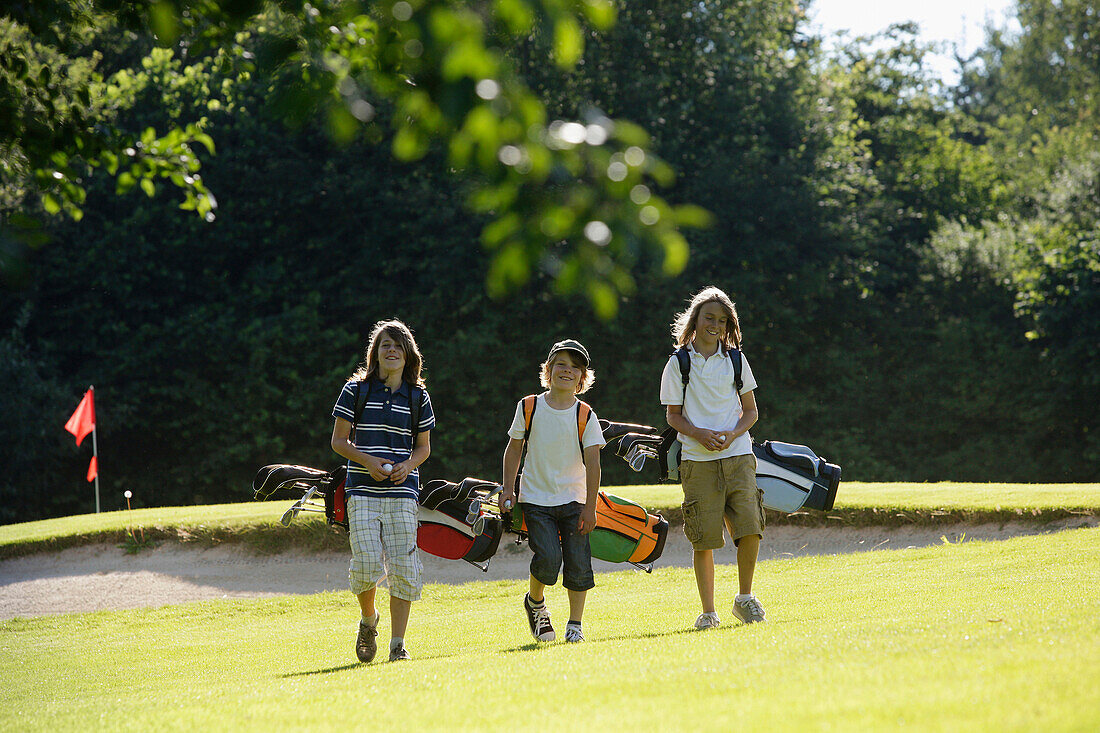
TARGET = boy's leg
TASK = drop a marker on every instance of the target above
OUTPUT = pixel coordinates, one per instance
(576, 604)
(703, 509)
(542, 538)
(538, 590)
(748, 548)
(366, 602)
(703, 562)
(404, 568)
(399, 616)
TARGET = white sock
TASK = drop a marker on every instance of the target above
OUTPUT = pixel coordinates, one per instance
(396, 642)
(742, 597)
(371, 621)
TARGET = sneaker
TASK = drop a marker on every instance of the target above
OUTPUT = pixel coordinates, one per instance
(539, 619)
(366, 645)
(399, 654)
(573, 633)
(749, 611)
(707, 621)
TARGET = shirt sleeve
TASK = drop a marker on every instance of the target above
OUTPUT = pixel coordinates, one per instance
(748, 381)
(593, 432)
(345, 403)
(672, 384)
(427, 415)
(517, 428)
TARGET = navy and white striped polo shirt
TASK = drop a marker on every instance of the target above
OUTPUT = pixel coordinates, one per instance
(384, 431)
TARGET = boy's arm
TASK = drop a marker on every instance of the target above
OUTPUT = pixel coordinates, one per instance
(512, 455)
(749, 415)
(592, 474)
(340, 442)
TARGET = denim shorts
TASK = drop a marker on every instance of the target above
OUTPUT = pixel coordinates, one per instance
(553, 537)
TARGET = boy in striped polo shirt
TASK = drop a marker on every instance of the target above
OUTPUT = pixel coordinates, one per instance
(384, 451)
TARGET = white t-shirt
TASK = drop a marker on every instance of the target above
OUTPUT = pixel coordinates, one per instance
(711, 401)
(553, 472)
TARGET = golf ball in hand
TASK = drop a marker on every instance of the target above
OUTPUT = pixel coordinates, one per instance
(387, 467)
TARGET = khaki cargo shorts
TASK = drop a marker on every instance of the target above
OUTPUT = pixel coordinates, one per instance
(724, 489)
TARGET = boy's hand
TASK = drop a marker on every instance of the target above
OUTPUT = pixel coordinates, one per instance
(376, 468)
(587, 521)
(712, 440)
(507, 499)
(401, 472)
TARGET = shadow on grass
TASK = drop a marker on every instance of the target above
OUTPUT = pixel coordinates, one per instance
(328, 670)
(533, 645)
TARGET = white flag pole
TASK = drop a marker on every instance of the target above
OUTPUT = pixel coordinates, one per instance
(95, 453)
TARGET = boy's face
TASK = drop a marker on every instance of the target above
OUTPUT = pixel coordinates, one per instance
(391, 355)
(711, 324)
(566, 371)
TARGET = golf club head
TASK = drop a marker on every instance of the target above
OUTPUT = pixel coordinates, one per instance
(289, 514)
(478, 526)
(473, 511)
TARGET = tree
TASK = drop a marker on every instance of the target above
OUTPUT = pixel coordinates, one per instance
(440, 65)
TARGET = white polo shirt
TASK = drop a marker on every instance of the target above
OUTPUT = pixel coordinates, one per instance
(711, 400)
(553, 472)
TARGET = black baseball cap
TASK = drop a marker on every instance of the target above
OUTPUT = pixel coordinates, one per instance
(570, 345)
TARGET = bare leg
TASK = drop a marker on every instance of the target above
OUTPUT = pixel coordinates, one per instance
(537, 590)
(576, 604)
(703, 560)
(747, 550)
(366, 602)
(399, 617)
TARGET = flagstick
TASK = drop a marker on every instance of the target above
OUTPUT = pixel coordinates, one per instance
(95, 454)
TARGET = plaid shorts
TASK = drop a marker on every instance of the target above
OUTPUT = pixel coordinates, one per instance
(382, 533)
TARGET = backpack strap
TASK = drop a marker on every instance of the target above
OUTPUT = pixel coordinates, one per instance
(684, 360)
(584, 414)
(416, 397)
(360, 402)
(735, 357)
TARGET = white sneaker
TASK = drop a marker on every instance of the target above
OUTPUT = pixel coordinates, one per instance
(749, 611)
(573, 633)
(707, 621)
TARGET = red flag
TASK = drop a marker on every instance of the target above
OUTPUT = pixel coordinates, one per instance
(93, 469)
(83, 420)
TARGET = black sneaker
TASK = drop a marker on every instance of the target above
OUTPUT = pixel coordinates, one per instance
(399, 654)
(366, 644)
(539, 619)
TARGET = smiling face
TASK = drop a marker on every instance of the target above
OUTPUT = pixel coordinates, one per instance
(711, 325)
(566, 372)
(391, 355)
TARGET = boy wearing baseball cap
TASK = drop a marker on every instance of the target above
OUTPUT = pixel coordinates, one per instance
(558, 485)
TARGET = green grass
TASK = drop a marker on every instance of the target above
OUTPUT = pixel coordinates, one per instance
(858, 504)
(977, 636)
(854, 495)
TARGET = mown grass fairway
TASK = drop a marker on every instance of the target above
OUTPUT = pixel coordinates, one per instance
(972, 636)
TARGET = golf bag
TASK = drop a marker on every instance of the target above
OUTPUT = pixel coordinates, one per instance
(794, 477)
(626, 532)
(791, 476)
(311, 483)
(454, 522)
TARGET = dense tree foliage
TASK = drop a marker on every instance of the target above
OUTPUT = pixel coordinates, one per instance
(917, 268)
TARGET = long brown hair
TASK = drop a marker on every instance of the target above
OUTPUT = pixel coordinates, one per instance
(400, 333)
(683, 326)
